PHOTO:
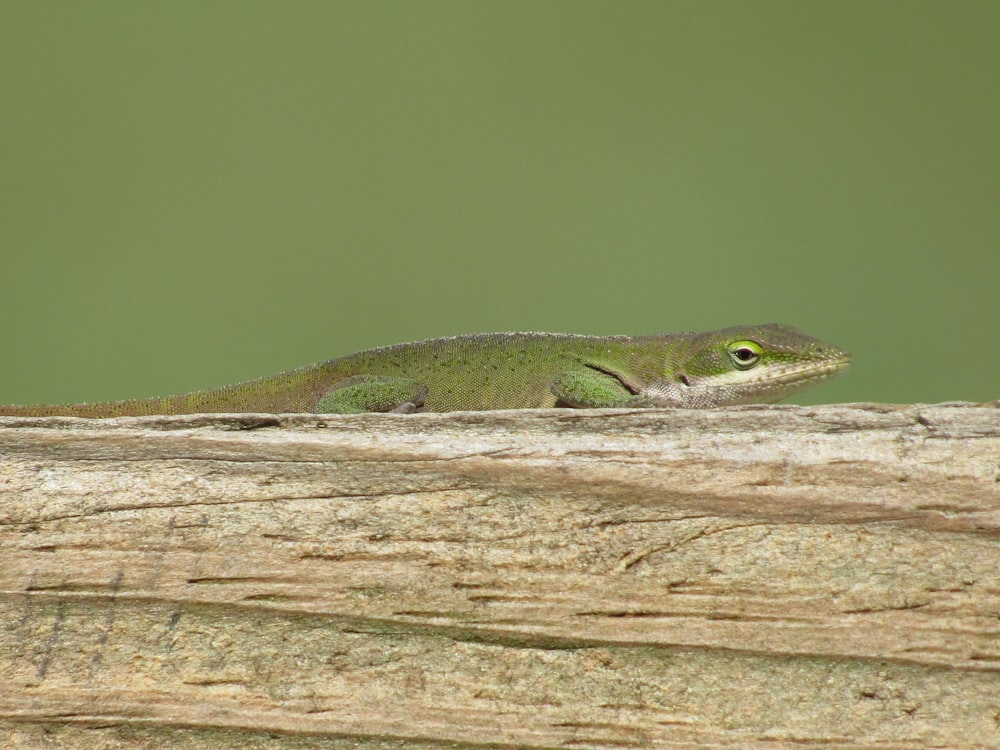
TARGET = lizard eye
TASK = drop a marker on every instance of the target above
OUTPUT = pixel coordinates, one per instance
(744, 354)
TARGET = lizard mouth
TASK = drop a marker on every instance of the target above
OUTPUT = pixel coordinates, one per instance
(775, 384)
(811, 372)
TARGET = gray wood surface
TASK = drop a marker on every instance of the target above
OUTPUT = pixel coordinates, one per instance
(748, 577)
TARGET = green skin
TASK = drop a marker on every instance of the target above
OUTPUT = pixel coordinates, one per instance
(741, 365)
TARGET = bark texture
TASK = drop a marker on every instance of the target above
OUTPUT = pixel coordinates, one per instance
(747, 577)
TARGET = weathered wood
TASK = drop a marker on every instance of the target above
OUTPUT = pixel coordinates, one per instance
(757, 576)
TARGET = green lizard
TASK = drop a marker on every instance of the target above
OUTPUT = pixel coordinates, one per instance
(748, 364)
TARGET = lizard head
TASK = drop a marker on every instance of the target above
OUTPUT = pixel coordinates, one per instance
(754, 364)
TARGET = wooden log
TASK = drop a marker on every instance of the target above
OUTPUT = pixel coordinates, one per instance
(769, 576)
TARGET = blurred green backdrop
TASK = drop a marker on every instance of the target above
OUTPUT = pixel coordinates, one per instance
(201, 192)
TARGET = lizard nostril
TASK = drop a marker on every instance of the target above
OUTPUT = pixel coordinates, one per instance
(684, 379)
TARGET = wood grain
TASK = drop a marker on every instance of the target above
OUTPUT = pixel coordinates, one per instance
(747, 577)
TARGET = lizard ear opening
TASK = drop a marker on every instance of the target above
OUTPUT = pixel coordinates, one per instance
(744, 354)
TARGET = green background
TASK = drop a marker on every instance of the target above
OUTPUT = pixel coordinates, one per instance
(196, 193)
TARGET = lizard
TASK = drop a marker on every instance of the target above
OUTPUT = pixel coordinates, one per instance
(738, 365)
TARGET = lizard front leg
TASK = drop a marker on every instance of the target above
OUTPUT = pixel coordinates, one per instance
(596, 389)
(368, 393)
